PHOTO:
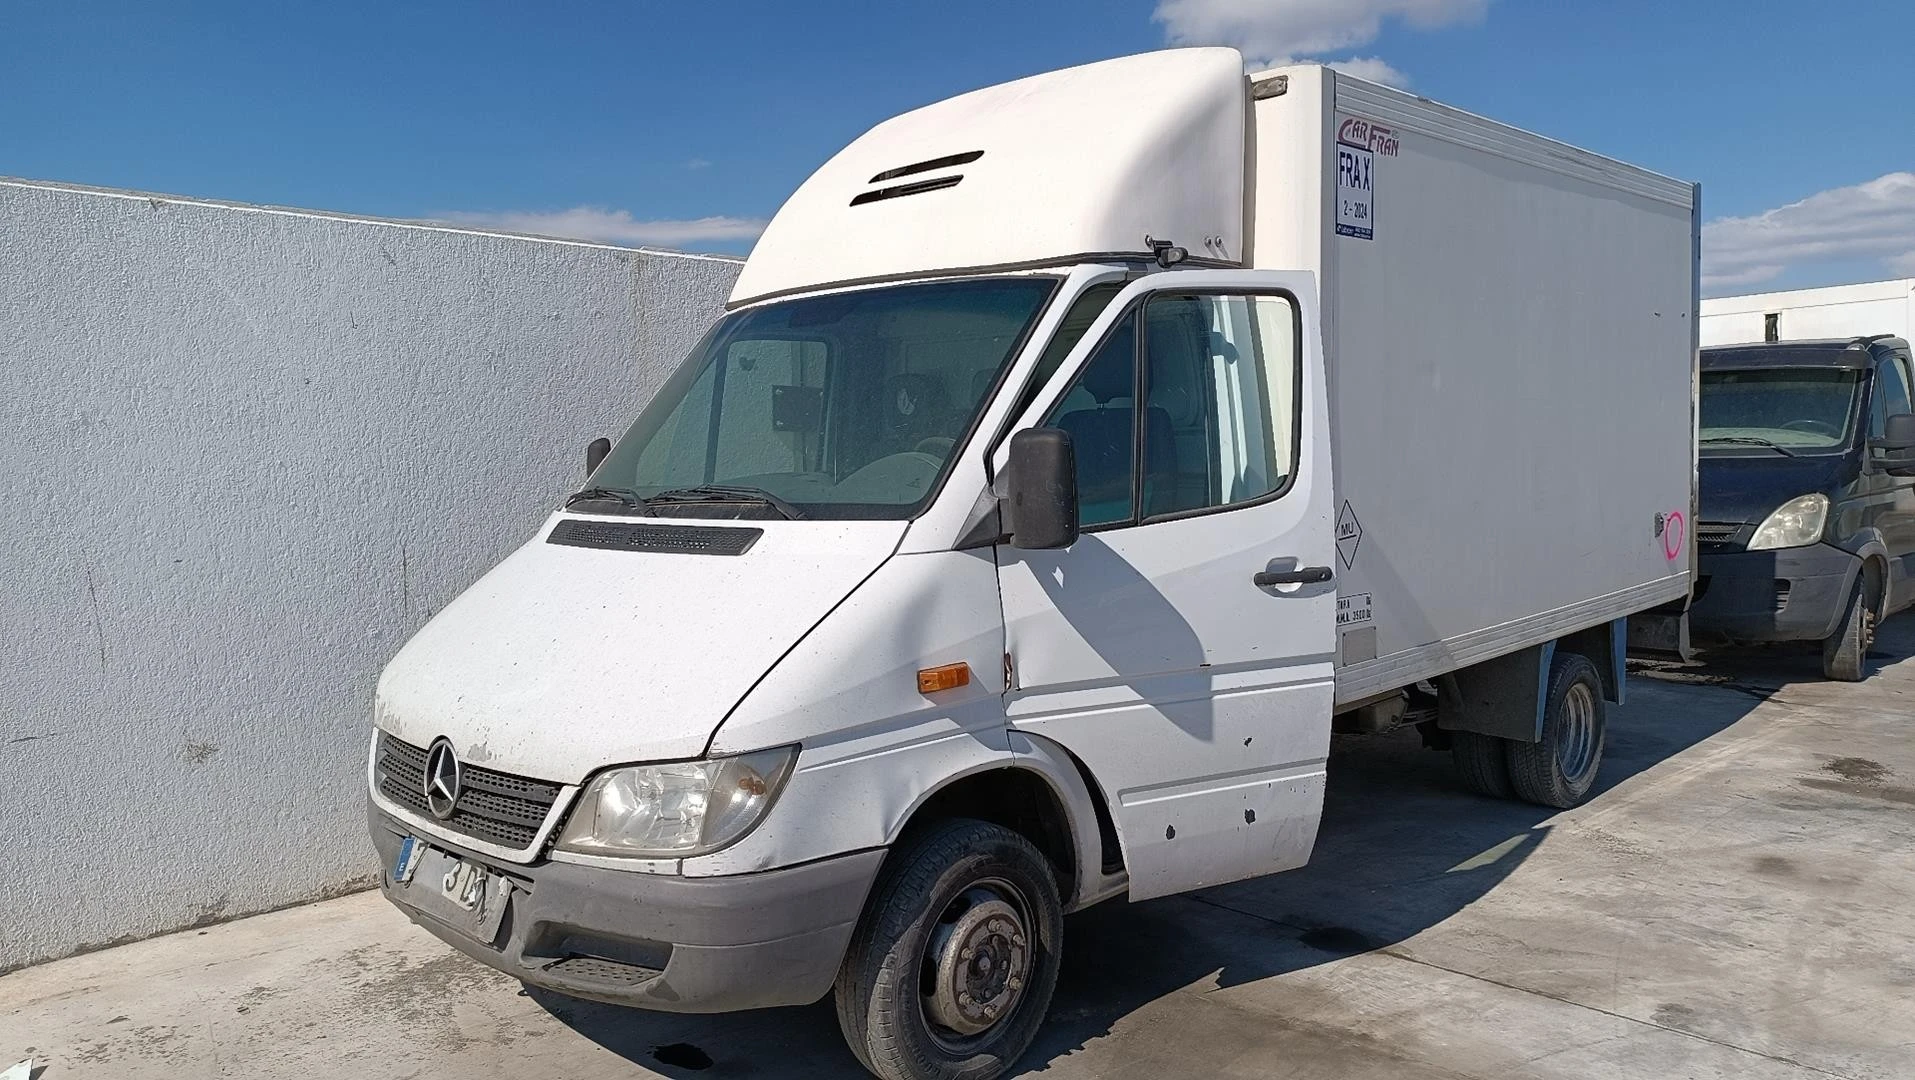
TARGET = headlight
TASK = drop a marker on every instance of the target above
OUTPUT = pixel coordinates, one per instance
(676, 809)
(1796, 523)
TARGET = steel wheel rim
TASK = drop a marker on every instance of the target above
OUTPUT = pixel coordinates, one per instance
(977, 963)
(1576, 749)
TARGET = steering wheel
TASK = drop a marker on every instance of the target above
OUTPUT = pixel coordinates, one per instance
(937, 446)
(1815, 427)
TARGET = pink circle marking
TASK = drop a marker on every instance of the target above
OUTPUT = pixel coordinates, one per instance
(1672, 535)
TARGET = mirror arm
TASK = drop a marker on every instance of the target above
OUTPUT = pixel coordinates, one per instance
(984, 524)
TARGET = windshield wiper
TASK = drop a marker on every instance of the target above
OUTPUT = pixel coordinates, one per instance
(1749, 440)
(604, 494)
(728, 493)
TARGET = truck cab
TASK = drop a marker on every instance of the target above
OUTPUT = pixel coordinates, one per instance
(1806, 522)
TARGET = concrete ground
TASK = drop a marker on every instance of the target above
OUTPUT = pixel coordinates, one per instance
(1739, 902)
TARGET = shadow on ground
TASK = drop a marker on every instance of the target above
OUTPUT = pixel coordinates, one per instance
(1402, 848)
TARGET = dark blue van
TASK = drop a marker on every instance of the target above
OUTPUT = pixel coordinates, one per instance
(1806, 493)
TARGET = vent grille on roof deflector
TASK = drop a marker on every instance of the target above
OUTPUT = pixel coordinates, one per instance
(901, 190)
(926, 166)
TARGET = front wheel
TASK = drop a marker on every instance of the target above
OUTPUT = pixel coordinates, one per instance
(953, 963)
(1845, 653)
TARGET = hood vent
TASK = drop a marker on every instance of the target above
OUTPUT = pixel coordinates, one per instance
(664, 539)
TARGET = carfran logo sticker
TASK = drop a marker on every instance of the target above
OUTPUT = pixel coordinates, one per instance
(1361, 133)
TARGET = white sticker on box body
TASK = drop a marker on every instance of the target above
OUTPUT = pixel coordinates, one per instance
(1356, 192)
(1353, 609)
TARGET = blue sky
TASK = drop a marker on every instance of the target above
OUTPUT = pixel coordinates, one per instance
(684, 125)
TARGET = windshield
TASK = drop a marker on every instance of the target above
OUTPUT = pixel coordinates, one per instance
(1790, 408)
(832, 407)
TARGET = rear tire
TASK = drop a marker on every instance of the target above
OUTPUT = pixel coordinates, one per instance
(953, 963)
(1845, 653)
(1560, 769)
(1482, 763)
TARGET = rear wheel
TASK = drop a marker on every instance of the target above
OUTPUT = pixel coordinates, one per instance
(1482, 763)
(1559, 769)
(953, 963)
(1845, 653)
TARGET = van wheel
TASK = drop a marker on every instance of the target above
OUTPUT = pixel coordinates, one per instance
(953, 963)
(1845, 653)
(1560, 769)
(1482, 763)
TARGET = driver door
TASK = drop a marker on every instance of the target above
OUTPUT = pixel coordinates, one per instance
(1198, 696)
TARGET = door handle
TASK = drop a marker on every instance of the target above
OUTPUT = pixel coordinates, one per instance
(1308, 575)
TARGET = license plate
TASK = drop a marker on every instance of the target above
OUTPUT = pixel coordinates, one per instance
(466, 884)
(466, 895)
(403, 867)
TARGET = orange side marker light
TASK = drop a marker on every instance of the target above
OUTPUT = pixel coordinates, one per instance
(945, 677)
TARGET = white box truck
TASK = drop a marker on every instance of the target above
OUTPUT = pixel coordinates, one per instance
(1075, 456)
(1868, 309)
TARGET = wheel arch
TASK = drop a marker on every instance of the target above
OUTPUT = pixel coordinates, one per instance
(1038, 793)
(1875, 561)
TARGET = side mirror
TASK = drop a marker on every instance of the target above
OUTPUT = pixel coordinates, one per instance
(1040, 485)
(596, 450)
(1895, 450)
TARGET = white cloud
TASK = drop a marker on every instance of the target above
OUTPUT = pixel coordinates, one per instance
(1873, 220)
(1272, 32)
(1373, 68)
(605, 226)
(697, 163)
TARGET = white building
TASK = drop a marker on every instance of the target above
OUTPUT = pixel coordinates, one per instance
(1873, 307)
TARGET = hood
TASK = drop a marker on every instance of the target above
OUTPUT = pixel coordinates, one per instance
(1742, 489)
(565, 659)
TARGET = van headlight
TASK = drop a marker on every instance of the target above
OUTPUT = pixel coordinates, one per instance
(675, 809)
(1796, 523)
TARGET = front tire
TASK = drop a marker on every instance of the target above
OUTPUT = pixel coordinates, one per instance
(1845, 653)
(953, 963)
(1560, 769)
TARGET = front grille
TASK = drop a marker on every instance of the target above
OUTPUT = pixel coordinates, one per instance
(496, 807)
(1716, 534)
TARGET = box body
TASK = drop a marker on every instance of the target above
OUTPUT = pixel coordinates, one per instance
(1510, 332)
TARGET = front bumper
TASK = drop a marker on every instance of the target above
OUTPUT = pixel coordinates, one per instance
(1792, 594)
(657, 941)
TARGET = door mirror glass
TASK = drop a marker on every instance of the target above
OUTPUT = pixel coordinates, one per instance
(1040, 484)
(1895, 449)
(595, 452)
(1898, 433)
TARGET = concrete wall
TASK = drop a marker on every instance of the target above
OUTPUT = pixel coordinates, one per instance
(243, 454)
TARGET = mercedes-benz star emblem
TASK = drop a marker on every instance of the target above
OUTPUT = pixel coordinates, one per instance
(442, 778)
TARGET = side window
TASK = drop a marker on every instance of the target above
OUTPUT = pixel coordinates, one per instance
(1891, 394)
(1100, 413)
(1219, 418)
(1084, 311)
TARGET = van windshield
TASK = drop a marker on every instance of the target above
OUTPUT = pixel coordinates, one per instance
(829, 407)
(1743, 411)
